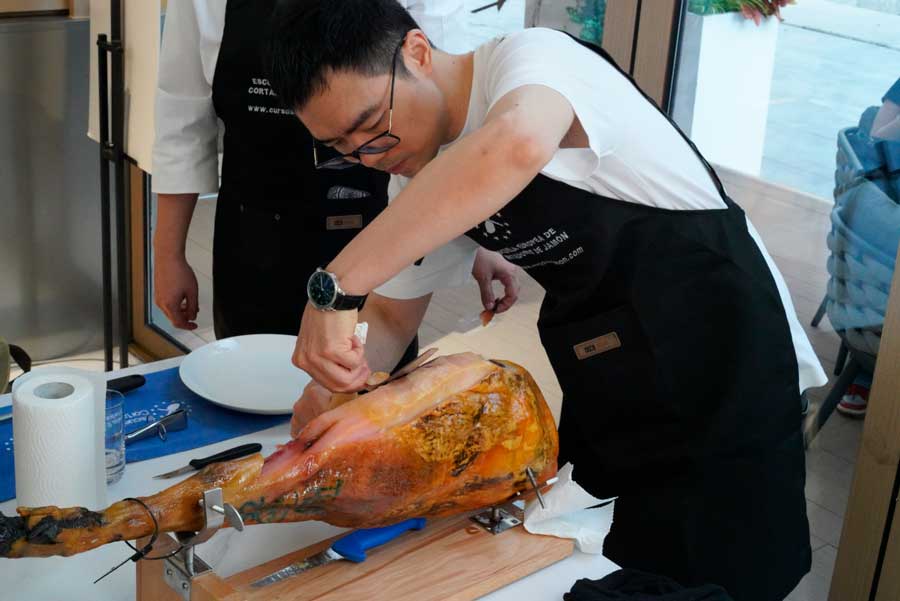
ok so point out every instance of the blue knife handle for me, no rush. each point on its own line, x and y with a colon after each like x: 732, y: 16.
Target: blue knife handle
x: 354, y: 545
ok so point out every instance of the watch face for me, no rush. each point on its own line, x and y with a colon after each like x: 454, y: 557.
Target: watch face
x: 321, y: 289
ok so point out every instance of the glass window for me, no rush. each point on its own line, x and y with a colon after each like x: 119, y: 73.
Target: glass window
x: 769, y: 98
x: 582, y: 18
x: 482, y: 20
x: 485, y: 19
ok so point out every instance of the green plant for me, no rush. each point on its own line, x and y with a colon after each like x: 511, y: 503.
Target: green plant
x: 751, y: 9
x: 589, y: 14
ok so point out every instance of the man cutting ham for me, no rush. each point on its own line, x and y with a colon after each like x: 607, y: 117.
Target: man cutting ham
x: 668, y: 326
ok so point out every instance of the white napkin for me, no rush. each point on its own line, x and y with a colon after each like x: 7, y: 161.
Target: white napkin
x: 566, y: 514
x: 361, y: 331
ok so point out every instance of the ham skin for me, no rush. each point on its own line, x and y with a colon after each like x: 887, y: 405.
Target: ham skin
x: 455, y: 435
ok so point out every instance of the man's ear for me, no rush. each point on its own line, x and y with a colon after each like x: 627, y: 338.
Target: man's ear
x: 417, y: 52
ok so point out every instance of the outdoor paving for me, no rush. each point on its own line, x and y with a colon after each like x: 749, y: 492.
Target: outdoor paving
x: 832, y: 62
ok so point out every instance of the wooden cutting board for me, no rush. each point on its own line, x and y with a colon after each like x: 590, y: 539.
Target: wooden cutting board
x: 451, y: 559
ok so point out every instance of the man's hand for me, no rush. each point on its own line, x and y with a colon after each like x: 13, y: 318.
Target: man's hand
x: 329, y: 352
x: 174, y: 282
x: 315, y: 400
x: 490, y: 266
x: 342, y: 423
x: 886, y: 125
x: 175, y: 290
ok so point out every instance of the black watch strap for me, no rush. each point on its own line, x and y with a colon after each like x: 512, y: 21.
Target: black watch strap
x: 346, y: 302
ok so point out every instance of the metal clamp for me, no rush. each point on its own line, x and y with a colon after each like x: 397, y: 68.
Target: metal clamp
x: 500, y: 518
x: 180, y: 569
x: 216, y: 511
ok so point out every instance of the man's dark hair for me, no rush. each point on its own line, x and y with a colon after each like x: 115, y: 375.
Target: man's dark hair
x: 309, y: 38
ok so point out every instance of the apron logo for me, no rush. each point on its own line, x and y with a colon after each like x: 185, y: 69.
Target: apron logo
x: 345, y: 193
x: 495, y: 228
x: 344, y: 222
x: 596, y: 346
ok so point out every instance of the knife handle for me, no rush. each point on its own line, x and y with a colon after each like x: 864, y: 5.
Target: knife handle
x: 354, y: 545
x: 126, y: 383
x: 235, y: 453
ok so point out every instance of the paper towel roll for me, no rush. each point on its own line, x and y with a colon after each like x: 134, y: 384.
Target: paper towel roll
x: 58, y: 430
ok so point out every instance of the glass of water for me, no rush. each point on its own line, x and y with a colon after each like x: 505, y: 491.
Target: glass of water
x: 115, y: 436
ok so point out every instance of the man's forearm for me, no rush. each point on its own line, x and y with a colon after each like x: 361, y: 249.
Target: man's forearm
x: 173, y: 218
x: 392, y: 326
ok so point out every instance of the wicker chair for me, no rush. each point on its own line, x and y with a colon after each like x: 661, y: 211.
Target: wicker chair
x: 863, y: 242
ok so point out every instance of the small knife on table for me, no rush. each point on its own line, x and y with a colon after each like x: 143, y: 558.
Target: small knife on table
x: 199, y: 464
x: 351, y: 547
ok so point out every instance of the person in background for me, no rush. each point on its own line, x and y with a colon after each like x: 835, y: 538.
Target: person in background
x: 887, y: 121
x: 278, y: 218
x: 886, y: 126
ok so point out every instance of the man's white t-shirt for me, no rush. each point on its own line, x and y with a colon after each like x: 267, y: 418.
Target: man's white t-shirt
x: 634, y: 154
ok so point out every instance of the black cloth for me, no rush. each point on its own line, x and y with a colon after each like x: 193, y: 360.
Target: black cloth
x: 634, y: 585
x: 680, y: 387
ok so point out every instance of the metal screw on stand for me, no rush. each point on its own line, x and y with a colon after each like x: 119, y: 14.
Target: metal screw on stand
x: 537, y: 490
x: 232, y: 515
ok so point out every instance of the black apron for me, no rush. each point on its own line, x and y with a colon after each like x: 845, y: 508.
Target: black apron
x: 277, y: 217
x: 680, y: 382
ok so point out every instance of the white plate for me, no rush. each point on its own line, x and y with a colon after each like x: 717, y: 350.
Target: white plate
x: 247, y: 373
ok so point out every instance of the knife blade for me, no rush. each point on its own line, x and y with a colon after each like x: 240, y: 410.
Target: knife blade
x: 499, y: 4
x: 351, y: 547
x: 197, y: 464
x: 403, y: 371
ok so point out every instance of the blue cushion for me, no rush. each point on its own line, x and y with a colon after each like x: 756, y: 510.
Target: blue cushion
x: 865, y: 234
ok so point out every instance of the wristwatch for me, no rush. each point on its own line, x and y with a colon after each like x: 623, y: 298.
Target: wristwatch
x: 326, y: 295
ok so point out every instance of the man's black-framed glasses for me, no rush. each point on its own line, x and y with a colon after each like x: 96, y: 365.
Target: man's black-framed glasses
x: 377, y: 145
